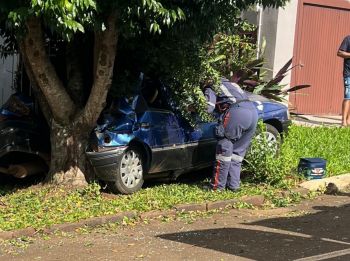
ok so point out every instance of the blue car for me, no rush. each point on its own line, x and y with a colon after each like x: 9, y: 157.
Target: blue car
x: 24, y: 138
x: 138, y: 141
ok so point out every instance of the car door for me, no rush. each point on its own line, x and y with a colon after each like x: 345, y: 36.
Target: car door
x: 166, y: 138
x: 201, y: 144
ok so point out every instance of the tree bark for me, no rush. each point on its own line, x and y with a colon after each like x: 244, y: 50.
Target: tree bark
x: 34, y: 52
x: 105, y: 51
x: 68, y: 160
x: 37, y: 92
x: 70, y: 128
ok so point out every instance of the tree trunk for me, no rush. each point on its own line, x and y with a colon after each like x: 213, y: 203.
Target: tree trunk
x: 68, y: 160
x: 34, y: 51
x: 70, y: 123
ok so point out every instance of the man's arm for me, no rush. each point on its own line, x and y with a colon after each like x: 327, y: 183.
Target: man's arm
x: 344, y: 48
x: 343, y: 54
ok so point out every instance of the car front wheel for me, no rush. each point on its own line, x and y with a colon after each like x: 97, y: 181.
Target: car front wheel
x: 272, y: 137
x: 130, y: 175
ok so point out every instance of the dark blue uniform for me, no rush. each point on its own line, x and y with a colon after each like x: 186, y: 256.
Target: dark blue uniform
x: 239, y: 122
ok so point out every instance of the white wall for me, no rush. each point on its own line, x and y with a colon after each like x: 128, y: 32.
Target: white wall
x: 278, y: 30
x: 285, y: 37
x: 268, y: 29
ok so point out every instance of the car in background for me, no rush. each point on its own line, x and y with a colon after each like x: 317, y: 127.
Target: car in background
x: 139, y: 140
x: 24, y: 138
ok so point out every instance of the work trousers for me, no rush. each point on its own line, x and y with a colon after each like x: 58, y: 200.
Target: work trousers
x: 240, y: 125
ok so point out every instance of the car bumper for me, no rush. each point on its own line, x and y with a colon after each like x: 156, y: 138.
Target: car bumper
x: 106, y: 163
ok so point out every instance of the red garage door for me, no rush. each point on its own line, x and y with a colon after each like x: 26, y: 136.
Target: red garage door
x: 321, y: 26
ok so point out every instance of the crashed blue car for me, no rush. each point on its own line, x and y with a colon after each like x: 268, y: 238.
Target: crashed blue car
x: 138, y: 141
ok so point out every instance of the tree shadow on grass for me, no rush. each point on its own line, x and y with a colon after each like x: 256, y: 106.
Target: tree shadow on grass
x: 191, y: 178
x: 283, y: 238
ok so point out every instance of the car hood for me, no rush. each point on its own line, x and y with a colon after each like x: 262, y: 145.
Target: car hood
x: 265, y: 104
x: 257, y: 97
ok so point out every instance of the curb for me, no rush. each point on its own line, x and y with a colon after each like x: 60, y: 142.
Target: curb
x: 335, y: 184
x: 256, y: 201
x: 67, y: 227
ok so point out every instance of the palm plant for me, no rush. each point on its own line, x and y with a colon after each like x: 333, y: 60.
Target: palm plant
x: 235, y: 57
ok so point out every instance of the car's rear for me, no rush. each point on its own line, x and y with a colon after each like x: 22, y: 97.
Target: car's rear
x: 24, y: 141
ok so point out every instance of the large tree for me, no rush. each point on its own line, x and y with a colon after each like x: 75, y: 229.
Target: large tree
x: 72, y: 93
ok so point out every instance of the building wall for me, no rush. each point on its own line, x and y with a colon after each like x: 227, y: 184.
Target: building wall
x: 321, y: 27
x: 277, y: 31
x: 8, y: 67
x: 269, y: 22
x: 285, y: 34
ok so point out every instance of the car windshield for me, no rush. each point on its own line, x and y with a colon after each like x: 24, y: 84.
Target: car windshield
x: 157, y: 95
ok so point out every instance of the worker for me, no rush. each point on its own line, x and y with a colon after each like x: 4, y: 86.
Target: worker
x: 236, y: 127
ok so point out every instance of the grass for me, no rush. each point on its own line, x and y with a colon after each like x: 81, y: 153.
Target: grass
x: 40, y: 207
x: 330, y: 143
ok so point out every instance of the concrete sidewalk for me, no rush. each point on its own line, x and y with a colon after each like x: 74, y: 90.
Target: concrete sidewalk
x: 332, y: 185
x: 313, y: 120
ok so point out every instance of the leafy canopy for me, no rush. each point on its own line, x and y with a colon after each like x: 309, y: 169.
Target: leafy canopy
x: 67, y: 17
x: 168, y: 35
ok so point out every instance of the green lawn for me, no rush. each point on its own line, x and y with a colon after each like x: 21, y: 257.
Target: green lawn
x: 40, y: 207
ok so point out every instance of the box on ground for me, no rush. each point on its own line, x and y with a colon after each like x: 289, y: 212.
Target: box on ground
x: 312, y: 168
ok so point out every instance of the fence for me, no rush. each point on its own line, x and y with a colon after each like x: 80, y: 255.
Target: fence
x: 8, y: 68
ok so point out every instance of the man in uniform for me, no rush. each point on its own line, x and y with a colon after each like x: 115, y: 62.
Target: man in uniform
x: 235, y: 130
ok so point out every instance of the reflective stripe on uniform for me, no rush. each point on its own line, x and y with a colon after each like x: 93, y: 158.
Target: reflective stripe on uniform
x: 226, y: 118
x: 223, y: 158
x: 217, y: 173
x: 239, y: 89
x: 211, y: 104
x: 237, y: 158
x: 227, y: 93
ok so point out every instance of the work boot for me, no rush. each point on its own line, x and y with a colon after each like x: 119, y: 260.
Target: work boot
x: 234, y: 190
x: 210, y: 188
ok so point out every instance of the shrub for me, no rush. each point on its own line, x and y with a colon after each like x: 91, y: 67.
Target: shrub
x: 261, y: 162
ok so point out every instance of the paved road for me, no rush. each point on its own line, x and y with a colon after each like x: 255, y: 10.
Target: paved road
x: 313, y: 230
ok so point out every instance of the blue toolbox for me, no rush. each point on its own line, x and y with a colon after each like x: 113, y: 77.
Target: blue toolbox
x: 312, y: 168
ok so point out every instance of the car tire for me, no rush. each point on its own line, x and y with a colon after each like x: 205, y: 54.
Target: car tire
x: 130, y: 176
x: 273, y: 137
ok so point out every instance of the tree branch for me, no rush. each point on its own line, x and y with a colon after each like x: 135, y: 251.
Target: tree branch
x: 38, y: 94
x: 46, y: 78
x: 105, y: 48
